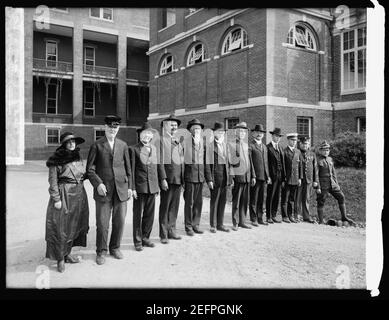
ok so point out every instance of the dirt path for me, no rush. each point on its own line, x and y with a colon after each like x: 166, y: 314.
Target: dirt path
x: 276, y: 256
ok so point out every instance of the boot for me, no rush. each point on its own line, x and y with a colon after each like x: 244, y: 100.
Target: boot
x: 320, y: 213
x: 61, y: 266
x: 343, y: 214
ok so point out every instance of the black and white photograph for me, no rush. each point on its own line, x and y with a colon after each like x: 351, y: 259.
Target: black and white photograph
x: 188, y: 148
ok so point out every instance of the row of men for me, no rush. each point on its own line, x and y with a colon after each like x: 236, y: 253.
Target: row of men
x: 258, y: 174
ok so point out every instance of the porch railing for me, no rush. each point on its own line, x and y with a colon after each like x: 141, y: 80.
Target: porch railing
x: 50, y: 65
x: 100, y: 71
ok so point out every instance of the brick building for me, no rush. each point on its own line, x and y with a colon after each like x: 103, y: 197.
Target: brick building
x: 80, y: 65
x: 289, y: 68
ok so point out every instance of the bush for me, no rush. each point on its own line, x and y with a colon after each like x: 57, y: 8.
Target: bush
x: 348, y: 149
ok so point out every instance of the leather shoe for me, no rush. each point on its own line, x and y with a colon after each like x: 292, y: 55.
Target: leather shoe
x: 235, y: 228
x: 71, y: 259
x: 292, y: 220
x: 174, y: 236
x: 164, y: 241
x: 286, y: 220
x: 309, y: 220
x: 270, y: 221
x: 198, y: 231
x: 223, y: 228
x: 117, y: 254
x: 100, y: 259
x: 244, y: 226
x: 263, y: 222
x: 190, y: 233
x: 275, y: 220
x: 148, y: 243
x: 255, y: 224
x: 213, y: 229
x: 138, y: 248
x: 61, y: 266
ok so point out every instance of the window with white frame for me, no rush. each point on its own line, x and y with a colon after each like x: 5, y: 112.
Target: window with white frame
x: 99, y: 133
x: 236, y: 39
x: 167, y: 64
x: 89, y: 58
x: 196, y: 54
x: 102, y: 13
x: 168, y: 17
x: 361, y: 124
x: 51, y: 53
x: 51, y: 98
x: 304, y: 127
x: 52, y: 136
x: 89, y: 101
x: 353, y: 60
x: 302, y: 37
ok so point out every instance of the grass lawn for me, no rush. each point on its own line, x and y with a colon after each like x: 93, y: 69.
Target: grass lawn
x: 353, y: 184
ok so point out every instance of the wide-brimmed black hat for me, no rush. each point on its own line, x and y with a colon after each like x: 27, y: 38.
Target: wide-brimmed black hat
x: 241, y: 125
x: 276, y: 131
x: 193, y: 122
x: 113, y: 120
x: 259, y: 127
x: 172, y: 118
x: 146, y: 126
x: 66, y: 136
x: 218, y: 126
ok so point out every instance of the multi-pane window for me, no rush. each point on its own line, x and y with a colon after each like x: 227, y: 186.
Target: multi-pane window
x: 51, y: 97
x: 167, y: 65
x: 304, y: 127
x: 168, y: 17
x: 99, y: 133
x: 230, y: 123
x: 196, y: 54
x: 354, y: 59
x: 236, y: 39
x: 102, y: 13
x: 361, y: 124
x: 301, y: 37
x: 89, y: 101
x: 89, y: 58
x: 51, y: 54
x: 52, y: 136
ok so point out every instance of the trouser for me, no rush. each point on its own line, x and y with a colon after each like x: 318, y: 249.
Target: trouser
x: 103, y: 215
x: 337, y: 194
x: 257, y: 201
x: 240, y: 200
x: 168, y: 210
x: 143, y: 217
x: 288, y: 199
x: 217, y: 206
x: 273, y: 198
x: 304, y: 193
x: 193, y: 195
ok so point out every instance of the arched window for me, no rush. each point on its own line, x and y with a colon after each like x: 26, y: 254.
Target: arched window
x: 302, y: 37
x: 166, y: 65
x: 236, y: 39
x: 196, y: 54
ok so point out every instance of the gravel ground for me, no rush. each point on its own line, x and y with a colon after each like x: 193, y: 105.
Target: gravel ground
x: 276, y: 256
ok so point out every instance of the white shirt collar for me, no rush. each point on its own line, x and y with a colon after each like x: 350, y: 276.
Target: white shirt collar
x: 258, y: 141
x: 274, y: 144
x: 291, y: 149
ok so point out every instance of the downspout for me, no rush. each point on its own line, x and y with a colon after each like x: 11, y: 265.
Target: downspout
x: 333, y: 118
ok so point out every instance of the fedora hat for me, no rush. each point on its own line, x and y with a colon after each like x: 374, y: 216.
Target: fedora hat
x: 112, y: 120
x: 66, y: 136
x: 241, y: 125
x: 146, y: 126
x: 277, y: 132
x: 193, y: 122
x: 218, y: 126
x: 259, y: 127
x: 171, y: 118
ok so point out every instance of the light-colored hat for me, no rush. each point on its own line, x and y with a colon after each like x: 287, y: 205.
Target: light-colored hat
x: 324, y: 145
x: 292, y: 135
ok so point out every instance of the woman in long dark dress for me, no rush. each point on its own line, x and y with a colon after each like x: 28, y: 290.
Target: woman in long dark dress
x: 67, y: 218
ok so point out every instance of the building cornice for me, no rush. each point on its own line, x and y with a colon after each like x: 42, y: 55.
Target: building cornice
x: 315, y: 13
x: 209, y: 23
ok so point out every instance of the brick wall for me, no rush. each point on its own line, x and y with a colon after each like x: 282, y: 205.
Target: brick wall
x: 64, y: 45
x: 346, y: 120
x: 195, y: 89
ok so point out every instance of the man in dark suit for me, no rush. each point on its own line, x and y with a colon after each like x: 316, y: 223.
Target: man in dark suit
x: 243, y: 175
x: 144, y: 161
x: 109, y: 171
x: 277, y: 175
x: 217, y: 169
x: 172, y: 170
x: 310, y: 179
x: 194, y: 176
x: 261, y: 168
x: 293, y: 176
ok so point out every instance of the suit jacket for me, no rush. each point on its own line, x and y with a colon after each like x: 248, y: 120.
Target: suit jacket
x: 241, y: 171
x: 113, y: 168
x: 194, y: 161
x: 172, y: 161
x: 327, y: 174
x: 260, y: 161
x: 217, y: 167
x: 293, y: 166
x: 145, y: 167
x: 274, y: 158
x: 309, y: 167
